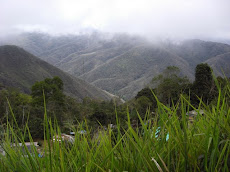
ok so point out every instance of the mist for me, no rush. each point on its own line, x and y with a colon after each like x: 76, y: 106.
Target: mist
x: 174, y: 19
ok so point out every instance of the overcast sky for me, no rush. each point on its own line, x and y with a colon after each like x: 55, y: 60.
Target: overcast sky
x: 167, y: 18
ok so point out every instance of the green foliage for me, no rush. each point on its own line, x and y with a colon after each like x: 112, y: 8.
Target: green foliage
x: 198, y: 145
x: 203, y: 83
x: 53, y: 91
x: 54, y: 96
x: 142, y: 105
x: 144, y: 100
x: 170, y: 85
x: 206, y: 86
x: 19, y: 102
x: 66, y: 110
x: 147, y: 92
x: 203, y: 77
x: 99, y: 112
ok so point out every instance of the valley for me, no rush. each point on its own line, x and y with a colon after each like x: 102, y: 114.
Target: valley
x: 122, y: 64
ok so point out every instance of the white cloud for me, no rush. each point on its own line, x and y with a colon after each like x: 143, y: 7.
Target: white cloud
x: 173, y: 18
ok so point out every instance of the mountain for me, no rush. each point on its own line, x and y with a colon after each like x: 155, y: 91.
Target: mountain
x: 121, y: 64
x: 198, y: 51
x: 132, y: 70
x: 220, y: 64
x: 21, y: 69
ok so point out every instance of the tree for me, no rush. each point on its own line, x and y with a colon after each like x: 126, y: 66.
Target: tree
x: 169, y: 85
x: 142, y: 105
x: 19, y: 103
x: 53, y: 91
x: 203, y: 85
x: 148, y: 93
x: 53, y: 94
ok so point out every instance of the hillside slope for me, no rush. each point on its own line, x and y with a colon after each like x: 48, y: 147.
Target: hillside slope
x: 21, y: 69
x: 120, y: 63
x: 197, y: 51
x: 129, y: 72
x: 220, y: 64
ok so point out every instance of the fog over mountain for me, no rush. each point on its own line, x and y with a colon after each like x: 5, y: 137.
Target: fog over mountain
x: 120, y: 45
x: 174, y: 19
x: 122, y: 64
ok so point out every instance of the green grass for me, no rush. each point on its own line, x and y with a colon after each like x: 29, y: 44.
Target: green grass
x: 203, y: 145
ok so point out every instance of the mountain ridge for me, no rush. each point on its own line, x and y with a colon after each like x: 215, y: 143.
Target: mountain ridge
x: 220, y: 64
x: 21, y: 69
x: 122, y: 64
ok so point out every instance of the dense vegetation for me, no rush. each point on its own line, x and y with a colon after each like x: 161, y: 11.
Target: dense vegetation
x: 155, y: 132
x: 168, y: 87
x: 66, y: 110
x: 168, y: 141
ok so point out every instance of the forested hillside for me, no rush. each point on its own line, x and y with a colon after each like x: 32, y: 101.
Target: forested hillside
x: 119, y: 63
x: 20, y: 69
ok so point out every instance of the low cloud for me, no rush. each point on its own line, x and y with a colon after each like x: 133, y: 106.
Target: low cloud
x: 165, y: 18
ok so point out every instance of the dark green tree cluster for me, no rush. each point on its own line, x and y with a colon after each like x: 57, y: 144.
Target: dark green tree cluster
x: 66, y: 110
x: 203, y: 87
x: 101, y: 112
x: 169, y: 85
x: 144, y: 101
x: 19, y: 104
x: 52, y: 89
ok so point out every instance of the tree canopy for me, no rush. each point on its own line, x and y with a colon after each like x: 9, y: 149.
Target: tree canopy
x: 53, y: 91
x: 203, y: 86
x: 170, y: 85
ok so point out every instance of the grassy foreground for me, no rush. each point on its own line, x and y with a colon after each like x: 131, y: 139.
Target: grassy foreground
x: 203, y: 145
